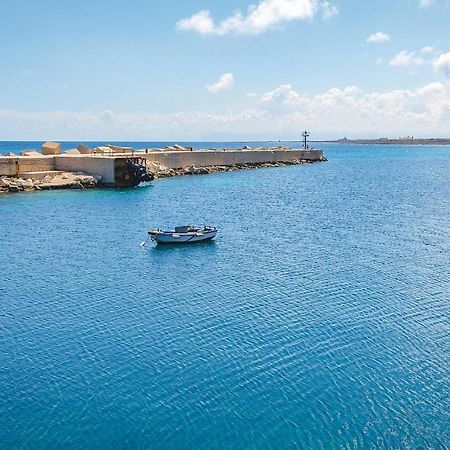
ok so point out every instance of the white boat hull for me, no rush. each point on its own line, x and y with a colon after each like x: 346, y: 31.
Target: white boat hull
x: 182, y: 238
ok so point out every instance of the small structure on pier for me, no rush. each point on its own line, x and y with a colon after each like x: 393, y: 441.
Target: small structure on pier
x: 305, y: 135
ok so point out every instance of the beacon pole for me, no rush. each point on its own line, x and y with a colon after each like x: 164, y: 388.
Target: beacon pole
x: 305, y: 135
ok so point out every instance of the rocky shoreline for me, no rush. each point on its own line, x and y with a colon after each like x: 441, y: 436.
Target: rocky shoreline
x: 60, y: 181
x: 161, y: 171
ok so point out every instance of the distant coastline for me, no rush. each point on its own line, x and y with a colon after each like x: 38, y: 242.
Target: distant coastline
x: 388, y: 141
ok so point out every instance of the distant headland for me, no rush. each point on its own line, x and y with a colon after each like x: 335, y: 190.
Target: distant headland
x: 408, y: 140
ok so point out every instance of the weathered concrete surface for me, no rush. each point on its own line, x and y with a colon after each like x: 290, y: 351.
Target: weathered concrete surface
x: 13, y: 165
x: 102, y: 166
x: 200, y: 158
x: 39, y: 175
x: 51, y: 148
x: 84, y: 149
x: 30, y: 153
x: 121, y: 150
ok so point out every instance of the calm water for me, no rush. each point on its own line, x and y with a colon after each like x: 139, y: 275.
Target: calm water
x: 318, y: 319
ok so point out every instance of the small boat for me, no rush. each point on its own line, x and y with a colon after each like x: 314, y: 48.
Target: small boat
x: 183, y: 235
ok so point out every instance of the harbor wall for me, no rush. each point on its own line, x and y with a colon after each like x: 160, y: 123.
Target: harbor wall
x: 180, y: 159
x: 13, y: 166
x: 107, y: 167
x: 98, y: 166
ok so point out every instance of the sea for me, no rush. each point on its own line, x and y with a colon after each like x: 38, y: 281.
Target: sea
x: 319, y: 318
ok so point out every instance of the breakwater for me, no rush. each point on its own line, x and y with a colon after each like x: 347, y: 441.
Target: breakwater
x: 114, y: 166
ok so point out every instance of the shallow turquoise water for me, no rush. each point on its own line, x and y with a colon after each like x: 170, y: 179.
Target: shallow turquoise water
x: 319, y: 318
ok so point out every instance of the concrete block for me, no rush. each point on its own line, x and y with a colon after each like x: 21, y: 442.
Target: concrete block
x: 119, y: 149
x: 103, y: 150
x: 30, y: 153
x: 83, y: 149
x: 72, y: 151
x: 51, y: 148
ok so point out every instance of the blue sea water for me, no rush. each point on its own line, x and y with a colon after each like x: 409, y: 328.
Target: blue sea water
x: 318, y: 319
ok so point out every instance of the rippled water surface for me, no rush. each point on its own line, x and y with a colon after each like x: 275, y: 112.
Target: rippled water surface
x: 319, y: 318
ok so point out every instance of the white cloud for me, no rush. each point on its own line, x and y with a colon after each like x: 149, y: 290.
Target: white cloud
x: 328, y: 10
x: 200, y: 22
x: 276, y: 114
x: 426, y: 56
x: 108, y: 126
x: 261, y: 17
x: 442, y: 64
x: 425, y: 3
x: 224, y: 83
x: 424, y: 110
x: 427, y: 49
x: 379, y: 37
x: 405, y: 58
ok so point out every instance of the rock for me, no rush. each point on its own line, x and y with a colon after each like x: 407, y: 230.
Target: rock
x: 85, y: 181
x: 15, y: 188
x: 47, y: 179
x: 163, y: 168
x: 28, y: 184
x: 246, y: 147
x: 10, y: 154
x: 51, y: 148
x: 179, y: 148
x: 72, y: 151
x: 193, y: 170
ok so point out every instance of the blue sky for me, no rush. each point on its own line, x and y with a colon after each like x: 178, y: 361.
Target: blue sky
x: 208, y: 69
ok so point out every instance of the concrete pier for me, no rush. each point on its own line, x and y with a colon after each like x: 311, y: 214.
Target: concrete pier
x: 112, y: 167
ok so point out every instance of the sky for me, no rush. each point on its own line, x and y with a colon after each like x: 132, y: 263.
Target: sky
x: 223, y: 70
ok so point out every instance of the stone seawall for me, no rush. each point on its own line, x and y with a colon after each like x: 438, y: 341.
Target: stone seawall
x: 112, y: 170
x: 100, y: 166
x: 203, y: 158
x: 13, y: 166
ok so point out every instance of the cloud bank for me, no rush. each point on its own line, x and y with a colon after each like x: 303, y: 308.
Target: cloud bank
x: 276, y: 114
x: 265, y: 15
x: 442, y: 64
